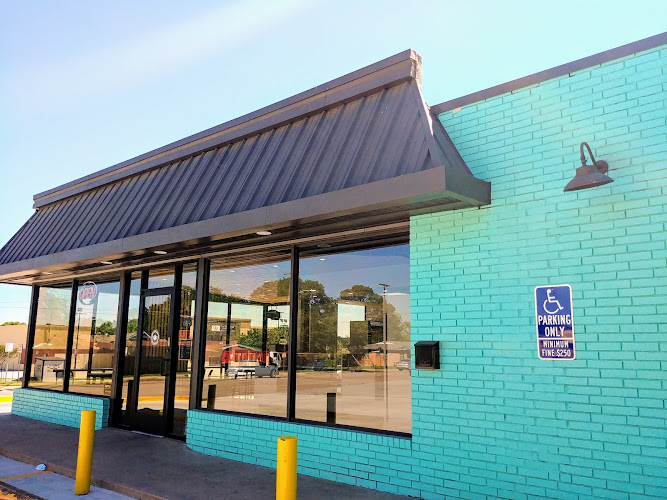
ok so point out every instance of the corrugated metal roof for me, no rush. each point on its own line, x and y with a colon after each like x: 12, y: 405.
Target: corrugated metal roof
x: 381, y: 133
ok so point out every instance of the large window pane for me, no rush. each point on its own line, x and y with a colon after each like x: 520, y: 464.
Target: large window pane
x: 247, y: 338
x: 48, y: 355
x: 94, y: 339
x: 353, y: 340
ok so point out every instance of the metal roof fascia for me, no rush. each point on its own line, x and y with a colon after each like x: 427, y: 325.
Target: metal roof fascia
x: 419, y: 186
x: 388, y: 72
x: 549, y: 74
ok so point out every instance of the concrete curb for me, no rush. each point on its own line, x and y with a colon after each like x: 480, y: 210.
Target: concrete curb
x: 18, y: 492
x: 64, y: 471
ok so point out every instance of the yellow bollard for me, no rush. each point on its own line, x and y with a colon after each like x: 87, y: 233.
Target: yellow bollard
x: 286, y: 468
x: 84, y: 461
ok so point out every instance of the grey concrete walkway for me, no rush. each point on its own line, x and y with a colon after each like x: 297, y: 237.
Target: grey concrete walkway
x: 147, y: 467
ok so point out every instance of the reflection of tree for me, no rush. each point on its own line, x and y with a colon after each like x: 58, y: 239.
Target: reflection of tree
x: 318, y: 317
x: 107, y: 328
x: 272, y: 292
x: 318, y: 328
x: 397, y: 328
x: 5, y: 355
x: 253, y: 337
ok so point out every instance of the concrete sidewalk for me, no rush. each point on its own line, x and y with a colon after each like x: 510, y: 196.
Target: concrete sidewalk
x: 151, y: 468
x: 23, y: 478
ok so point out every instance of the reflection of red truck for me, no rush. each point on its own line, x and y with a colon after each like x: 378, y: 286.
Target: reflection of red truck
x: 239, y: 353
x: 251, y: 361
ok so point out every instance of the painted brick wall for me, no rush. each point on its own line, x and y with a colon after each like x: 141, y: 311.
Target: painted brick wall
x: 335, y: 454
x: 507, y: 424
x: 59, y: 408
x: 495, y: 421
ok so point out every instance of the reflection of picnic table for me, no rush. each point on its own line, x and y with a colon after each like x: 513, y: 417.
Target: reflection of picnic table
x: 93, y: 374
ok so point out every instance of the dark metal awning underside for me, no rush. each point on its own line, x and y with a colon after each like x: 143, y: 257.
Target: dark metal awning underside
x: 360, y: 149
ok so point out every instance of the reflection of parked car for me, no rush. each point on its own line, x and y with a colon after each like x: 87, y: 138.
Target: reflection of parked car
x: 318, y: 364
x: 253, y: 370
x: 403, y: 364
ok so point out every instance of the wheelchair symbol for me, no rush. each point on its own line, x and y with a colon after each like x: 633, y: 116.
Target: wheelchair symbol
x: 551, y: 300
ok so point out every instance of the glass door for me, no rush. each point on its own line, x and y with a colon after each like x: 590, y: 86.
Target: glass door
x: 151, y: 398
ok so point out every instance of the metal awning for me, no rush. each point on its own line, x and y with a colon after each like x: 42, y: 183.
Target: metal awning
x: 359, y: 149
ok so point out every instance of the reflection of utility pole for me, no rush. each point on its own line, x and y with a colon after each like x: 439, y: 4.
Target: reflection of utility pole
x: 310, y: 316
x: 228, y: 334
x: 265, y: 333
x: 78, y: 325
x: 384, y: 342
x: 92, y: 339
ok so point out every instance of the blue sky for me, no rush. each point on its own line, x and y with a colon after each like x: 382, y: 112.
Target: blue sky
x: 85, y: 85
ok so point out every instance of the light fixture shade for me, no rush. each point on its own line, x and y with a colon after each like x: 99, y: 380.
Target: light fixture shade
x: 589, y: 176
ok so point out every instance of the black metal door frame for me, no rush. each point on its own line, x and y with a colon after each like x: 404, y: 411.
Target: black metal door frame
x: 146, y: 423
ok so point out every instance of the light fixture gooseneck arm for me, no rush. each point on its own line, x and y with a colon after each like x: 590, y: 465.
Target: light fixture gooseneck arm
x: 590, y: 153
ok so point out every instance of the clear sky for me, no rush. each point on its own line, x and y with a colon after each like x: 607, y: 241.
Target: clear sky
x: 86, y: 85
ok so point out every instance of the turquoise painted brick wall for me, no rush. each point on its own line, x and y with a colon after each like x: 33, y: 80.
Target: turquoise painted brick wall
x: 58, y: 407
x: 495, y: 421
x: 335, y: 454
x: 509, y: 424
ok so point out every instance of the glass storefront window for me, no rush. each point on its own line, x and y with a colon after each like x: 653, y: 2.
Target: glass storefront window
x: 353, y: 339
x: 245, y: 365
x: 92, y: 361
x: 50, y: 345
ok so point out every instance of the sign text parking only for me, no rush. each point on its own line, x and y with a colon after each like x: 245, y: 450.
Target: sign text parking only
x: 555, y: 325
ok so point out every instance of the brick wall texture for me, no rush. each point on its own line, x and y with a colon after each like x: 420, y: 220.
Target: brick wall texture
x: 495, y: 421
x: 58, y: 407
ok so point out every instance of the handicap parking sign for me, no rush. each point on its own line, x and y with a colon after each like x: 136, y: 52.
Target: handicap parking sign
x: 554, y: 321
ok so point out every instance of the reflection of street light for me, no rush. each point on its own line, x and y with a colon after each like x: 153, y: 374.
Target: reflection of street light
x: 384, y: 342
x: 310, y: 316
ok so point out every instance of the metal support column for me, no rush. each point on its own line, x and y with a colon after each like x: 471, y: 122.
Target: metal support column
x: 119, y: 348
x: 30, y: 341
x: 293, y: 328
x: 199, y: 333
x: 70, y: 334
x: 174, y: 347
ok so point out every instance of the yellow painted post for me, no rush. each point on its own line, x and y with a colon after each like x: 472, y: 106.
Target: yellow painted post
x: 286, y: 468
x: 84, y: 461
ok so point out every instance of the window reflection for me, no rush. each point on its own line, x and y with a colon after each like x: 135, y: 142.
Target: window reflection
x: 353, y: 340
x: 161, y: 277
x: 48, y: 355
x: 94, y: 339
x: 247, y: 338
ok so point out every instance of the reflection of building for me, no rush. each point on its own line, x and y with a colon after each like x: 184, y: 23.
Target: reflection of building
x: 217, y: 327
x: 362, y: 165
x: 13, y: 337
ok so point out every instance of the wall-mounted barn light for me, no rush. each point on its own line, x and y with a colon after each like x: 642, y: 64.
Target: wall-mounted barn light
x: 588, y: 176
